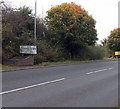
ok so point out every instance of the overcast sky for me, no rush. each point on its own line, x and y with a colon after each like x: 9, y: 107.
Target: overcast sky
x: 105, y: 12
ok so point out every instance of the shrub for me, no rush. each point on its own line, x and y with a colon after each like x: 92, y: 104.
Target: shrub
x: 45, y: 52
x: 39, y: 59
x: 95, y: 52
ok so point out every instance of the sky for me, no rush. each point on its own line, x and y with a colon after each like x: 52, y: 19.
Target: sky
x: 105, y: 12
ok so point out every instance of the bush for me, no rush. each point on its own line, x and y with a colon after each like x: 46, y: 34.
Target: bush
x: 51, y: 55
x: 45, y: 53
x: 39, y: 59
x: 95, y: 52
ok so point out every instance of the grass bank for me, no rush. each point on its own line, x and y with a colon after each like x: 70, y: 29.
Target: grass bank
x: 6, y: 67
x: 73, y: 62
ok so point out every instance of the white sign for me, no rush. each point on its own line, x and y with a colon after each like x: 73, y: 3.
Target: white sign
x: 28, y: 49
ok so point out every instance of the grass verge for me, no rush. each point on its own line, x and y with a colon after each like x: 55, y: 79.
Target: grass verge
x: 72, y: 62
x: 7, y: 67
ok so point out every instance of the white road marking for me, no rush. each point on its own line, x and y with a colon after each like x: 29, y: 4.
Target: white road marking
x: 99, y: 71
x: 28, y: 87
x: 89, y: 73
x: 110, y: 68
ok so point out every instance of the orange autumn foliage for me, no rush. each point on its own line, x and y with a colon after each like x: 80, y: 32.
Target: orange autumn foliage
x: 71, y: 6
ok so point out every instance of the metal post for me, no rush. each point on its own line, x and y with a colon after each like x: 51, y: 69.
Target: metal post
x: 35, y: 30
x: 35, y: 23
x: 1, y: 52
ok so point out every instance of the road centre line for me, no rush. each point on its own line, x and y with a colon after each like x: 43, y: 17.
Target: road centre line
x: 110, y: 68
x: 99, y: 71
x: 89, y: 73
x: 32, y: 86
x: 45, y: 83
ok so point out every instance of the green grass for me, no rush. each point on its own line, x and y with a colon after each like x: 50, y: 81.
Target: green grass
x: 6, y: 67
x: 118, y: 107
x: 58, y: 63
x: 72, y: 62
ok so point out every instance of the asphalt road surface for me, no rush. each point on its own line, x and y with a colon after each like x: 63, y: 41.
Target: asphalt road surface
x: 92, y: 84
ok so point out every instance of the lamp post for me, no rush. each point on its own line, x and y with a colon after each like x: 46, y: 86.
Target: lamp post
x: 35, y: 31
x: 1, y: 2
x: 35, y: 23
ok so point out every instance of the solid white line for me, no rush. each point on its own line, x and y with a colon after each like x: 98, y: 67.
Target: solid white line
x: 28, y: 87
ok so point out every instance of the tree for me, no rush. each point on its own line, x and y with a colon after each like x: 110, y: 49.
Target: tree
x: 12, y: 23
x: 18, y: 29
x: 104, y: 42
x: 114, y: 40
x: 26, y: 12
x: 71, y: 27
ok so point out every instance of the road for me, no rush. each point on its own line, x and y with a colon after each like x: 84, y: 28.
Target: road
x: 93, y: 84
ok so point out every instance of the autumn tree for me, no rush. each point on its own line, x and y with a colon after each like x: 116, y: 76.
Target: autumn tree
x: 71, y: 27
x: 114, y: 40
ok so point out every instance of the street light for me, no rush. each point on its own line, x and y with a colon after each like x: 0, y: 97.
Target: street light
x: 35, y: 23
